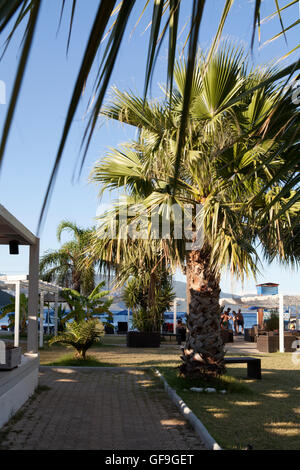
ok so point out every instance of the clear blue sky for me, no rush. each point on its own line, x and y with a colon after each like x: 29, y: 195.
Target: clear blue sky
x: 42, y: 108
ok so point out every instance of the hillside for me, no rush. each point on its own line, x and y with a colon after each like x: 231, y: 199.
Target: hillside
x: 179, y: 288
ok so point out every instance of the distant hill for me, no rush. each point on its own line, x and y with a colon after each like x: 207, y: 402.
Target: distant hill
x: 179, y: 288
x: 5, y: 298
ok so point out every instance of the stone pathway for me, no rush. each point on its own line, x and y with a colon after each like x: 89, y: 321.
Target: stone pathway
x: 240, y: 346
x: 106, y: 409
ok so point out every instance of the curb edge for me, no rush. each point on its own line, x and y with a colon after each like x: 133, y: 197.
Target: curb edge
x: 198, y: 426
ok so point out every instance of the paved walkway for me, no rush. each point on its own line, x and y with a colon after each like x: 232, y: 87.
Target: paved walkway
x: 240, y: 346
x: 107, y: 409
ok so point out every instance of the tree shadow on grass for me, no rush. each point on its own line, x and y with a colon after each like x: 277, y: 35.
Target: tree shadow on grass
x: 267, y: 419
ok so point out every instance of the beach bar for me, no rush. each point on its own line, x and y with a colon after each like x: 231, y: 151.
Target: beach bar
x: 278, y: 301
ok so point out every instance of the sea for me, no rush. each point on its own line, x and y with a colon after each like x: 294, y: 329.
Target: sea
x: 250, y: 319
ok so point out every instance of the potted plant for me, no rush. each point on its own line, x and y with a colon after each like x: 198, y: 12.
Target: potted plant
x: 12, y: 357
x: 148, y: 304
x: 109, y: 324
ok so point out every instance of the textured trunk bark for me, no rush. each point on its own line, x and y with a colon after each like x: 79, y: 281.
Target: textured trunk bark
x: 203, y: 353
x: 76, y: 282
x: 151, y: 302
x: 151, y: 291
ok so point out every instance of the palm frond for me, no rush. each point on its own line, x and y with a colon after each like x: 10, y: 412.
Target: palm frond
x: 29, y: 35
x: 17, y: 11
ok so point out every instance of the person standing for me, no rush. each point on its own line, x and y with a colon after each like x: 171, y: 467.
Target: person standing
x: 240, y: 322
x: 235, y: 322
x: 180, y: 331
x: 225, y: 317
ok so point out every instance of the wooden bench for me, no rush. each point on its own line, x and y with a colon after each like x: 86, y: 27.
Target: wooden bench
x: 173, y: 335
x: 253, y: 365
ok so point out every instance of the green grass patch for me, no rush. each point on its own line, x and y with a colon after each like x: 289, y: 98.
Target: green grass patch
x: 6, y: 336
x: 108, y: 340
x: 70, y: 360
x: 263, y: 413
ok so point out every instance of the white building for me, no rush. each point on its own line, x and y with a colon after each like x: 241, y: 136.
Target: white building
x: 17, y: 385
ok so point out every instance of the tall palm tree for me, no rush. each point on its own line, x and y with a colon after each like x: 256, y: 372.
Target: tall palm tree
x: 227, y: 168
x: 110, y: 20
x: 67, y: 266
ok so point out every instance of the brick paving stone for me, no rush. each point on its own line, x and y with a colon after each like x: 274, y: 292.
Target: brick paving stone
x: 103, y: 409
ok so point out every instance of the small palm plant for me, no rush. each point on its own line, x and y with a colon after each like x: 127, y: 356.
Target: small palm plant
x: 81, y: 336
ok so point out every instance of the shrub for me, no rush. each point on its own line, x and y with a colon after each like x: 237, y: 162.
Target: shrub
x: 272, y: 323
x: 80, y: 335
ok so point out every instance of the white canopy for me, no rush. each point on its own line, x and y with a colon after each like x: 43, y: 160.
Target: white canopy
x: 268, y: 301
x: 15, y: 284
x: 9, y: 283
x: 12, y: 230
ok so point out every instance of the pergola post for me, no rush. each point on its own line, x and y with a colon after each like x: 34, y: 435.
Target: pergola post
x: 17, y: 314
x: 177, y: 299
x: 297, y: 317
x: 48, y: 325
x: 33, y: 298
x: 281, y: 324
x: 55, y: 311
x: 175, y: 316
x: 41, y: 319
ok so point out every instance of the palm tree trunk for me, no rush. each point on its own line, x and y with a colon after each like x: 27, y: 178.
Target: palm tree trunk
x: 151, y: 301
x: 76, y: 282
x: 203, y: 353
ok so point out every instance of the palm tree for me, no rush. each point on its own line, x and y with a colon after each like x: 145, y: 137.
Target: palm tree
x: 83, y: 307
x: 148, y: 305
x: 10, y: 309
x: 80, y: 335
x: 111, y: 19
x: 67, y: 266
x: 227, y: 168
x: 139, y: 265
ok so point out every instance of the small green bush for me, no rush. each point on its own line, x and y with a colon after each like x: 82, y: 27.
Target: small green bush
x: 80, y: 335
x: 272, y: 323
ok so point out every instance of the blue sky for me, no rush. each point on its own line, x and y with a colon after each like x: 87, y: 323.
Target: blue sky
x: 42, y: 108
